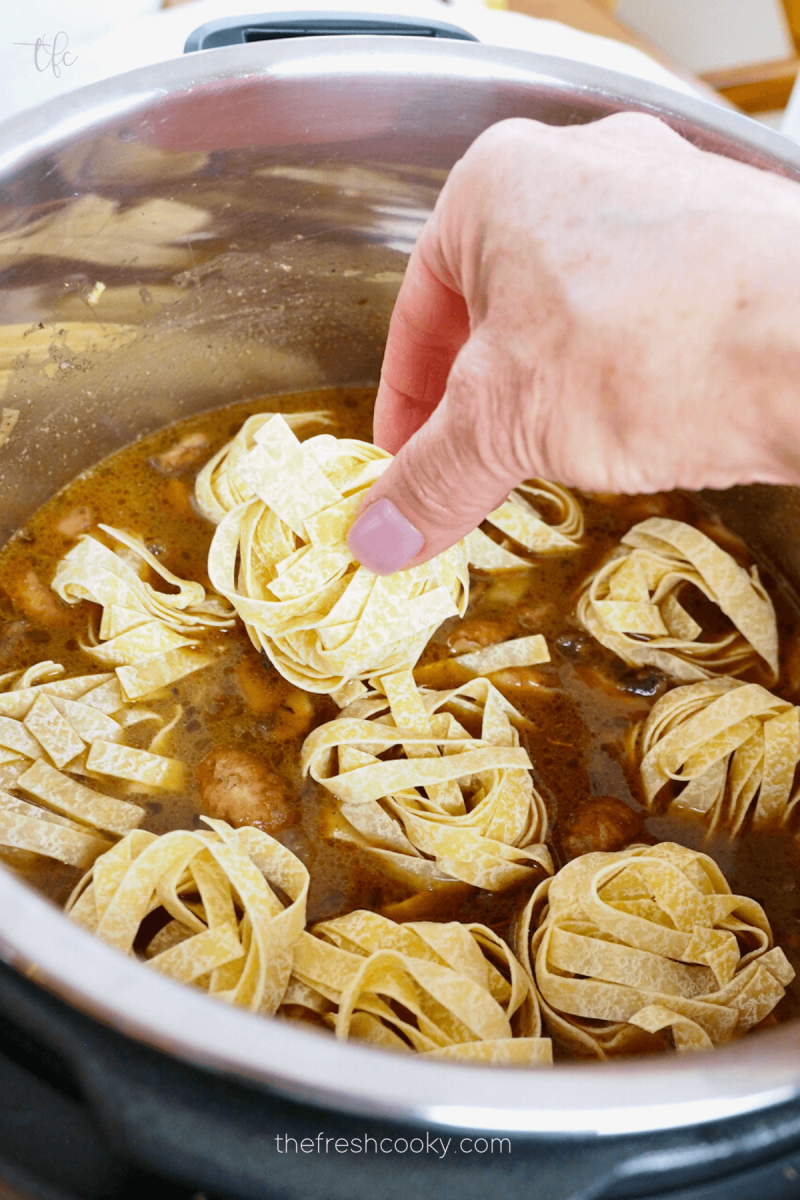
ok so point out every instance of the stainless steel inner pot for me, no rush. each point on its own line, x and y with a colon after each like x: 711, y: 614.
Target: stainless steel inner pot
x: 249, y: 211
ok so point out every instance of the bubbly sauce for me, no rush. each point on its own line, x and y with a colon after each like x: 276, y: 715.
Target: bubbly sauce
x: 582, y: 707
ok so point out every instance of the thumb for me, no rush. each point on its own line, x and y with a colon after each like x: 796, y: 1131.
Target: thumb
x: 455, y: 470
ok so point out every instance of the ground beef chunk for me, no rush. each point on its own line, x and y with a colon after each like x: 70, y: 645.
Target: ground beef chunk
x: 36, y: 600
x: 240, y: 788
x: 475, y: 633
x: 603, y: 823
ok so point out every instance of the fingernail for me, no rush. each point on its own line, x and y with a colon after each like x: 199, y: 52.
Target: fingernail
x: 383, y: 540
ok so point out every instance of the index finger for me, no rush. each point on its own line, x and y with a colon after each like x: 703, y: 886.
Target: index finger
x: 429, y: 326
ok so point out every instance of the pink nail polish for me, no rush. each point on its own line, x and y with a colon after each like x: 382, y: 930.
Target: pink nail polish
x: 383, y: 540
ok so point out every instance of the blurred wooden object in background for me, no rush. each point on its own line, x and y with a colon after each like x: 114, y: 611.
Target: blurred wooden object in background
x: 596, y: 16
x: 592, y: 16
x: 762, y: 86
x: 758, y: 87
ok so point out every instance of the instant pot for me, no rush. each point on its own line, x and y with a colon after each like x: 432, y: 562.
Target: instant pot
x: 235, y: 224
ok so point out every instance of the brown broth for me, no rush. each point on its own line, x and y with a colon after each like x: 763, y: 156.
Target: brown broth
x: 581, y: 707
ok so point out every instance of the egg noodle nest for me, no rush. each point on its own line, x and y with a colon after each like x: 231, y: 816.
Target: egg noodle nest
x: 631, y: 604
x: 280, y: 555
x: 522, y: 522
x: 650, y: 939
x: 444, y: 989
x: 58, y: 735
x: 227, y: 931
x: 733, y: 745
x: 616, y: 953
x: 453, y: 806
x: 282, y: 560
x: 142, y: 631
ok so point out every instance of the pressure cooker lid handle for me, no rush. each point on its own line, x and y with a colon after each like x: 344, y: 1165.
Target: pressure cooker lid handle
x: 237, y: 31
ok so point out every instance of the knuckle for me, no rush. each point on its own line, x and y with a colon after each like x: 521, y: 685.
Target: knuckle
x: 639, y: 127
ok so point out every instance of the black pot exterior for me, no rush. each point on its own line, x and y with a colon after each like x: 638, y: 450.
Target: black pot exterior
x: 102, y: 1117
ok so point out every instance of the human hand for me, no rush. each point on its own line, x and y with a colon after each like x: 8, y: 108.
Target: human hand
x: 601, y: 305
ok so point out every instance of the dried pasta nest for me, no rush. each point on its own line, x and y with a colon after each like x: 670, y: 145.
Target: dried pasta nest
x: 58, y: 736
x: 282, y: 560
x: 632, y: 945
x: 445, y: 805
x: 521, y: 521
x: 631, y: 604
x: 733, y: 745
x: 226, y: 928
x: 219, y: 486
x: 445, y: 990
x: 143, y: 631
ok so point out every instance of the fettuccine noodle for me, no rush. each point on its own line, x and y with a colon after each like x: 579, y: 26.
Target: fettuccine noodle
x: 236, y: 942
x: 446, y: 990
x: 282, y: 560
x: 53, y: 729
x: 453, y: 806
x: 631, y: 604
x: 628, y: 945
x: 521, y: 521
x: 143, y: 632
x: 734, y: 745
x: 219, y: 486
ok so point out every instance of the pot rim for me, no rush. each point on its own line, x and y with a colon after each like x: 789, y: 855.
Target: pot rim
x: 603, y: 1100
x: 45, y: 126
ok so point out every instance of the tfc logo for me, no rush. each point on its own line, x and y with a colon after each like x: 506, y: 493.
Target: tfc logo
x: 52, y: 56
